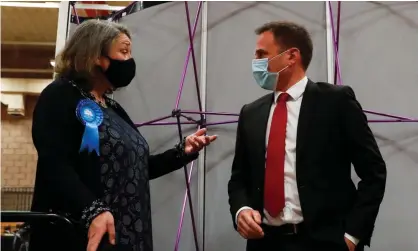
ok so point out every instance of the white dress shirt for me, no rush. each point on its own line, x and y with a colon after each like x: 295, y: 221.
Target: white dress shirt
x: 292, y: 212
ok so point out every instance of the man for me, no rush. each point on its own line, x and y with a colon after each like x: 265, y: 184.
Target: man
x: 291, y: 187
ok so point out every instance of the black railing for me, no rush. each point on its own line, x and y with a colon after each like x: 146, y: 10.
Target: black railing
x: 18, y: 240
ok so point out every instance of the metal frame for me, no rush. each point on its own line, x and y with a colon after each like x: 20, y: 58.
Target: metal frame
x: 64, y: 15
x: 330, y: 44
x: 201, y: 174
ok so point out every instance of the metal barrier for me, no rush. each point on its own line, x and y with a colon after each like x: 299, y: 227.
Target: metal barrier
x: 19, y: 239
x: 16, y: 198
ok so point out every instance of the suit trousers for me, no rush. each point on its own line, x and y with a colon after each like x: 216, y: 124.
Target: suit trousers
x: 301, y: 241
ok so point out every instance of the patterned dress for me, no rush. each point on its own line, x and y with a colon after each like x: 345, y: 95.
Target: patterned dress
x: 124, y: 175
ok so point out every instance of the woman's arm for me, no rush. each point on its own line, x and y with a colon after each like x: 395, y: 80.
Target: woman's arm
x: 56, y: 136
x: 166, y: 162
x: 169, y: 161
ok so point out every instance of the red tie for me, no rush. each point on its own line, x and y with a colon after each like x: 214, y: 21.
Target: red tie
x: 274, y: 177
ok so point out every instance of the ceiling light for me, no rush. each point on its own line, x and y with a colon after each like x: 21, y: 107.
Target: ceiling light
x: 29, y: 4
x: 56, y: 5
x: 52, y: 62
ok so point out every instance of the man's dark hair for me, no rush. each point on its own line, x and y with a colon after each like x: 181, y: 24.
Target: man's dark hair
x: 288, y: 35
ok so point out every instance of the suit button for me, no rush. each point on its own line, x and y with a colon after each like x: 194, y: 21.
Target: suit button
x: 258, y: 189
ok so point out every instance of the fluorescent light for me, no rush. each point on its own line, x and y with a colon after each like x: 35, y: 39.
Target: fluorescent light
x: 55, y: 5
x: 98, y: 7
x: 52, y: 62
x: 30, y: 5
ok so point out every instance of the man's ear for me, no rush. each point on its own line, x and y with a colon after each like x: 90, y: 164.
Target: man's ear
x: 294, y: 55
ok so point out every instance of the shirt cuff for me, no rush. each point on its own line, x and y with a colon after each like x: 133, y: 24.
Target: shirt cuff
x: 354, y: 240
x: 236, y: 215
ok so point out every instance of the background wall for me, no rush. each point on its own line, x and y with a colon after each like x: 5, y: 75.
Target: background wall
x: 18, y: 155
x: 378, y: 56
x: 18, y: 158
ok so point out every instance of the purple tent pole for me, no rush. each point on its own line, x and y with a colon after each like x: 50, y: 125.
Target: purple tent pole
x: 75, y: 12
x: 387, y: 115
x: 392, y: 121
x: 337, y: 43
x: 167, y: 123
x: 211, y: 113
x: 183, y: 77
x: 222, y: 123
x: 188, y: 194
x: 191, y: 50
x: 199, y: 101
x: 183, y: 209
x: 152, y: 121
x: 337, y: 59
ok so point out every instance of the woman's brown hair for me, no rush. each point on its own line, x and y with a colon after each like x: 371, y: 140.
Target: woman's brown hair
x: 90, y: 40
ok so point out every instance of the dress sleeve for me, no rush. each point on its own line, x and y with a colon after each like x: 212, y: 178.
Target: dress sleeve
x: 56, y: 136
x: 166, y: 162
x: 170, y: 160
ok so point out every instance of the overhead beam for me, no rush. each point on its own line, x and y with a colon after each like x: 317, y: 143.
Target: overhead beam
x: 27, y: 75
x: 23, y: 86
x: 27, y: 70
x: 28, y: 43
x: 26, y: 56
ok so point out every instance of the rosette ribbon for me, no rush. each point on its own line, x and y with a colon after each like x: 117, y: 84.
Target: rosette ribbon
x: 90, y: 114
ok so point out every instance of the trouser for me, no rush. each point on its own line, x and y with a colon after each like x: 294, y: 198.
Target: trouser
x: 284, y: 238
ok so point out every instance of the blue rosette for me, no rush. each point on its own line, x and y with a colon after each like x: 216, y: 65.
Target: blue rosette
x: 90, y: 114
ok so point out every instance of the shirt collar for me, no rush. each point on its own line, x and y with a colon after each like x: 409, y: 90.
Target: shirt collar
x: 296, y: 91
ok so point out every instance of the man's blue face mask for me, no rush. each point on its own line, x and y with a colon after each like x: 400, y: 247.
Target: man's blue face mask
x: 265, y: 79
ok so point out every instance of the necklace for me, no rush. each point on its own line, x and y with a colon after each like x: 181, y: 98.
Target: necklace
x: 106, y: 100
x: 98, y: 101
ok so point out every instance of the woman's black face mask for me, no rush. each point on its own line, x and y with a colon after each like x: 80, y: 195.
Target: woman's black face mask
x: 120, y: 72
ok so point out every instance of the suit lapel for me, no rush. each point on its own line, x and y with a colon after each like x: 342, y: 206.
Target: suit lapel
x: 305, y: 117
x: 261, y: 120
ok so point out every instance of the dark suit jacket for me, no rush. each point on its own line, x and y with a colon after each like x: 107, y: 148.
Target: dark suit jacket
x: 68, y: 181
x: 332, y: 134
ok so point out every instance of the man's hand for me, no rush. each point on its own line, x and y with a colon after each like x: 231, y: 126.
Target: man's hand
x: 351, y: 246
x: 249, y: 224
x: 103, y: 223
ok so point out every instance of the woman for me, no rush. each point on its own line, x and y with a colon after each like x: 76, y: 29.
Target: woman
x: 93, y: 165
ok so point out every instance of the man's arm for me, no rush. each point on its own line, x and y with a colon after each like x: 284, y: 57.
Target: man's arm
x: 237, y: 187
x: 368, y: 164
